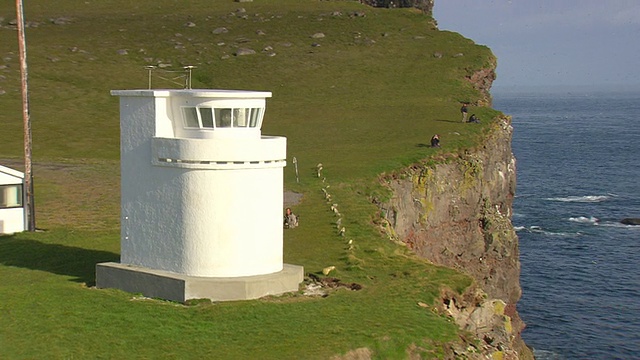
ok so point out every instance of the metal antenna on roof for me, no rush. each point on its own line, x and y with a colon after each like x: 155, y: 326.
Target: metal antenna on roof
x: 174, y: 77
x: 150, y: 69
x: 188, y: 68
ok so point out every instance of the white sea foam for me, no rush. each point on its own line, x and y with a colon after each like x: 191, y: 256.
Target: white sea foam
x: 539, y: 230
x: 560, y: 234
x: 546, y: 355
x: 617, y: 224
x: 582, y: 199
x: 584, y: 220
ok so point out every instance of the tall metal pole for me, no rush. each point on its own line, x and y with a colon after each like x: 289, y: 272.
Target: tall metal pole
x: 28, y: 175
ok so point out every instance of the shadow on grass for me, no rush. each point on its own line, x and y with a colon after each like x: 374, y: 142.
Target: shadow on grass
x: 451, y: 121
x: 58, y: 259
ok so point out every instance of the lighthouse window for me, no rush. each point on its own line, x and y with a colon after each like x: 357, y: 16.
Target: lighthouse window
x: 223, y: 117
x: 190, y: 117
x: 207, y: 117
x: 10, y: 196
x: 240, y: 117
x: 254, y: 118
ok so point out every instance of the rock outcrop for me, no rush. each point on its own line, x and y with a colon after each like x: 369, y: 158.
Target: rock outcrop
x: 482, y: 80
x: 425, y: 5
x: 456, y: 211
x: 630, y: 221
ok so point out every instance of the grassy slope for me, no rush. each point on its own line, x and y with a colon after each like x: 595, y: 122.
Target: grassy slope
x: 362, y: 103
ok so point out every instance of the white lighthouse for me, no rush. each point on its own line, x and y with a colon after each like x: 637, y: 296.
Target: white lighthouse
x: 201, y: 198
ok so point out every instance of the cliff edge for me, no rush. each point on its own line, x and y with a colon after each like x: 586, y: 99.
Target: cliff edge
x: 456, y: 211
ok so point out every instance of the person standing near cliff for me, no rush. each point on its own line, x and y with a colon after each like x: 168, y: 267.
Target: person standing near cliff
x: 464, y: 111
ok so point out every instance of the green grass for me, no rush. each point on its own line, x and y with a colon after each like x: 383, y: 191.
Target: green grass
x: 364, y: 102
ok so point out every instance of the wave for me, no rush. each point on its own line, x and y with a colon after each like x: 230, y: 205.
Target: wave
x: 534, y: 229
x: 585, y: 220
x: 618, y: 224
x: 583, y: 199
x: 547, y: 355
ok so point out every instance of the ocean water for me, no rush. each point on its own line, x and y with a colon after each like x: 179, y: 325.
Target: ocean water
x: 578, y: 162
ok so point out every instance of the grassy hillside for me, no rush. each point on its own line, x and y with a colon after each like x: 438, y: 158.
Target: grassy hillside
x: 363, y: 100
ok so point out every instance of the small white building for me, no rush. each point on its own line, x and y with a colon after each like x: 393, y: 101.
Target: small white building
x: 13, y: 216
x: 201, y: 197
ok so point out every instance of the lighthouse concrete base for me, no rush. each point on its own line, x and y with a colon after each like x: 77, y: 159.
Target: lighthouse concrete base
x: 176, y: 287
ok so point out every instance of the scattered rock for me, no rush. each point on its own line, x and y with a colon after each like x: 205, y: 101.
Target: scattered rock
x: 190, y: 24
x: 243, y: 1
x: 220, y: 30
x: 315, y: 45
x: 241, y: 11
x: 357, y: 14
x: 60, y: 21
x: 2, y: 92
x: 260, y: 32
x: 267, y: 49
x: 336, y: 13
x: 329, y: 282
x: 244, y: 51
x: 123, y: 52
x: 53, y: 58
x: 313, y: 290
x: 458, y: 55
x: 163, y: 65
x: 317, y: 35
x: 437, y: 55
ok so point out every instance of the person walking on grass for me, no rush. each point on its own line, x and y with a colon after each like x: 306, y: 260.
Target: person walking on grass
x: 464, y: 111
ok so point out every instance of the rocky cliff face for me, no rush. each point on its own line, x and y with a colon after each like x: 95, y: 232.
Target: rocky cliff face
x: 482, y: 80
x: 456, y: 211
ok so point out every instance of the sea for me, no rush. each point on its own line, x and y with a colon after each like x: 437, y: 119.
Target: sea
x: 578, y: 175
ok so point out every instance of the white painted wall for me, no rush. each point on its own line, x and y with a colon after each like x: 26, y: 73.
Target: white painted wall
x: 12, y: 220
x: 200, y: 206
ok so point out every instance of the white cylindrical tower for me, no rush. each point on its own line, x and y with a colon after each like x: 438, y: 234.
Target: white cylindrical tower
x: 202, y: 189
